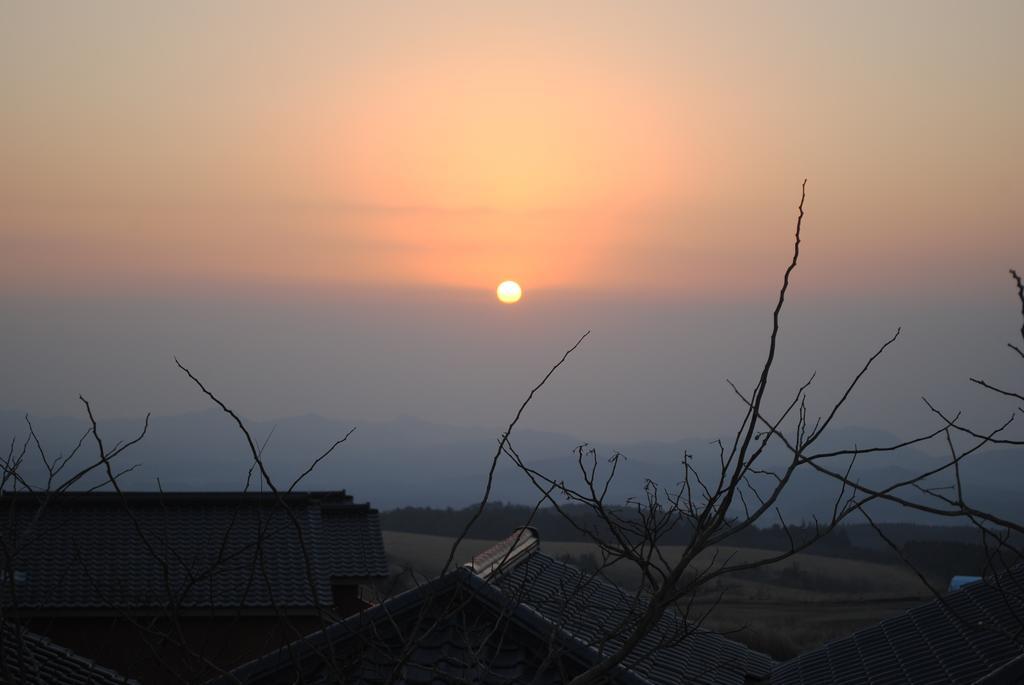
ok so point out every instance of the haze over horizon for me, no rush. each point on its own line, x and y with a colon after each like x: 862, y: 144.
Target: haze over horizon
x: 312, y: 209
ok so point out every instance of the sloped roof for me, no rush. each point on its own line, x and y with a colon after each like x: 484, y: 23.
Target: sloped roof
x: 31, y: 659
x: 189, y: 550
x: 589, y: 608
x: 461, y: 629
x: 503, y: 618
x: 969, y: 635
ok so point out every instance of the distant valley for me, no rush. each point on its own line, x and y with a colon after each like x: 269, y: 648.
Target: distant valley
x: 408, y: 462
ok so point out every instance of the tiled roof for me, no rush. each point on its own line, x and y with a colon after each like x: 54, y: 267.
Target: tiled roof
x: 461, y: 629
x: 187, y: 550
x: 589, y: 607
x: 969, y: 635
x: 509, y: 625
x: 30, y: 659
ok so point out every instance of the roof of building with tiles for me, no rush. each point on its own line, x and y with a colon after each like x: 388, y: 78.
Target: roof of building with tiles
x: 511, y: 615
x: 969, y: 635
x: 26, y: 657
x: 88, y: 551
x: 457, y: 628
x: 602, y: 614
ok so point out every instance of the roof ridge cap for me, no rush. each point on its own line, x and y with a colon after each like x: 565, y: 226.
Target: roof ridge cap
x: 506, y: 554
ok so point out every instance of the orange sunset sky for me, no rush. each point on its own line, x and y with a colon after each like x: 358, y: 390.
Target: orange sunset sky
x: 620, y: 153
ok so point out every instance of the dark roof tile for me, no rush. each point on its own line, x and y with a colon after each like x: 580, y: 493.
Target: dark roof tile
x: 457, y: 628
x: 190, y: 550
x: 539, y: 621
x: 967, y: 635
x: 30, y: 659
x: 588, y: 606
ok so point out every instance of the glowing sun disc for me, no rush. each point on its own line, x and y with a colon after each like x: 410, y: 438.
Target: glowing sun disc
x: 509, y: 292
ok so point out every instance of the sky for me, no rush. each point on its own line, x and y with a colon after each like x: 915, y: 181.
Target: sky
x: 312, y: 206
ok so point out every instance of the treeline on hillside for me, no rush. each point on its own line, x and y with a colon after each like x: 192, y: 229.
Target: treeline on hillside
x: 499, y: 520
x: 939, y: 551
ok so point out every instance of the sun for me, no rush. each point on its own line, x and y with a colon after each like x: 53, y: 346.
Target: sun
x: 509, y: 292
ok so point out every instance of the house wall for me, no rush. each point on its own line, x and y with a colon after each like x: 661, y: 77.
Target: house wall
x: 347, y: 600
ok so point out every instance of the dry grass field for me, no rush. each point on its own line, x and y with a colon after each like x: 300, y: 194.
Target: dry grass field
x: 798, y: 604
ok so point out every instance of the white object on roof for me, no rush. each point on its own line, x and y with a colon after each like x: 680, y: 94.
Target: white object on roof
x: 505, y: 554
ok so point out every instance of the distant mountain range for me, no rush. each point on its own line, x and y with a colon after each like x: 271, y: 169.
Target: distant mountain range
x: 408, y: 462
